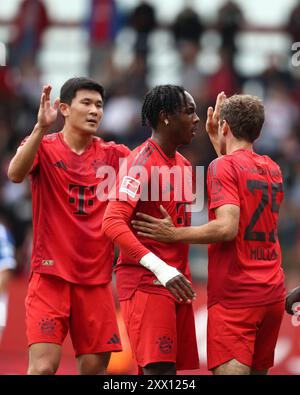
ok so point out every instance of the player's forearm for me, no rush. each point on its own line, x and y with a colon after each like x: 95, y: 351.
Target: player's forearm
x: 124, y: 239
x: 115, y: 226
x: 22, y: 162
x: 213, y: 232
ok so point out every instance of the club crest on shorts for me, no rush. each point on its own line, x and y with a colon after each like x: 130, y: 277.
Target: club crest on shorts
x: 47, y: 325
x: 165, y: 344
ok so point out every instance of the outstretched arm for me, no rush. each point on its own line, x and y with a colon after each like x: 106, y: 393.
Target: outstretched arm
x: 22, y: 162
x: 223, y: 228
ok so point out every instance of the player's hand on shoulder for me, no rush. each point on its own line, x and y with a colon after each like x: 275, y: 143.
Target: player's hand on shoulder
x: 180, y: 287
x: 292, y: 297
x: 47, y: 113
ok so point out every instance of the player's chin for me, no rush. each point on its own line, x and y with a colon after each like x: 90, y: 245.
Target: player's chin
x: 188, y: 140
x: 90, y: 129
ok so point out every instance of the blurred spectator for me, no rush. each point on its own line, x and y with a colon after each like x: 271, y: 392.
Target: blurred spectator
x: 122, y: 114
x: 8, y: 94
x: 136, y: 74
x: 143, y: 21
x: 104, y: 22
x: 225, y: 78
x: 28, y: 84
x: 190, y: 75
x: 281, y: 115
x: 187, y: 27
x: 7, y: 265
x: 230, y: 20
x: 293, y: 25
x: 28, y: 27
x: 276, y: 72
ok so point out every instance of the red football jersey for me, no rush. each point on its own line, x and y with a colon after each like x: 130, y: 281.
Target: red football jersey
x: 67, y: 213
x: 246, y: 271
x: 145, y: 190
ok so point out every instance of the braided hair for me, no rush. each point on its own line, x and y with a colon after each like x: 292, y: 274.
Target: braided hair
x: 168, y: 98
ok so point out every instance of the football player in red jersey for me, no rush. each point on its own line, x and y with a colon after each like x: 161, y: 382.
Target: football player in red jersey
x: 72, y: 259
x: 153, y: 278
x: 245, y: 278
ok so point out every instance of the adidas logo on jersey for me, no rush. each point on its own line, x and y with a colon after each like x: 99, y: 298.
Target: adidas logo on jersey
x: 114, y: 340
x: 61, y: 165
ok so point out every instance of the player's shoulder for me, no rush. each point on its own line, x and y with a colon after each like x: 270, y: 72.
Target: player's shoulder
x: 50, y: 138
x: 271, y: 162
x: 47, y: 139
x: 221, y: 166
x: 182, y: 159
x: 143, y: 154
x: 111, y: 146
x: 220, y: 163
x: 273, y: 168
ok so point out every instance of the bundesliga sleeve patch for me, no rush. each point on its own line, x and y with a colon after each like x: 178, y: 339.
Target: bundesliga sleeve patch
x: 130, y: 186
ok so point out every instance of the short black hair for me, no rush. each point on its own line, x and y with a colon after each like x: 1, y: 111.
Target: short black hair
x: 70, y: 87
x: 168, y: 98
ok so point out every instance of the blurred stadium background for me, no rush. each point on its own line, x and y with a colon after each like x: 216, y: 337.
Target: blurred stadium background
x: 129, y: 46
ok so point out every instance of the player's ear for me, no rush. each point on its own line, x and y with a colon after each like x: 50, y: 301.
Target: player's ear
x: 163, y: 118
x: 225, y: 127
x: 64, y: 109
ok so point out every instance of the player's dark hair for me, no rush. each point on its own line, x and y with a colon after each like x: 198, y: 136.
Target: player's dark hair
x: 168, y: 98
x: 245, y: 115
x: 70, y: 87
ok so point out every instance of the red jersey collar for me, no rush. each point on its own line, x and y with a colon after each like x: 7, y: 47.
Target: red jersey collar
x: 61, y: 137
x: 242, y: 150
x: 166, y: 158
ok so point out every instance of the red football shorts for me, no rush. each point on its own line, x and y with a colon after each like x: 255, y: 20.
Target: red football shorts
x: 248, y: 335
x: 54, y: 306
x: 161, y: 330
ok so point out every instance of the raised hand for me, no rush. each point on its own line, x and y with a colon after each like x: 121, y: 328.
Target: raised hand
x: 212, y: 121
x: 160, y: 229
x: 47, y: 114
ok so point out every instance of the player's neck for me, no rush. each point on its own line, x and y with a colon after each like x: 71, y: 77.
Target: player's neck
x: 236, y: 145
x: 77, y: 142
x: 165, y: 144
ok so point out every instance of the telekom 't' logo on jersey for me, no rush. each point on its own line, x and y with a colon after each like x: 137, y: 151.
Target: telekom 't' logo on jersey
x: 81, y: 196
